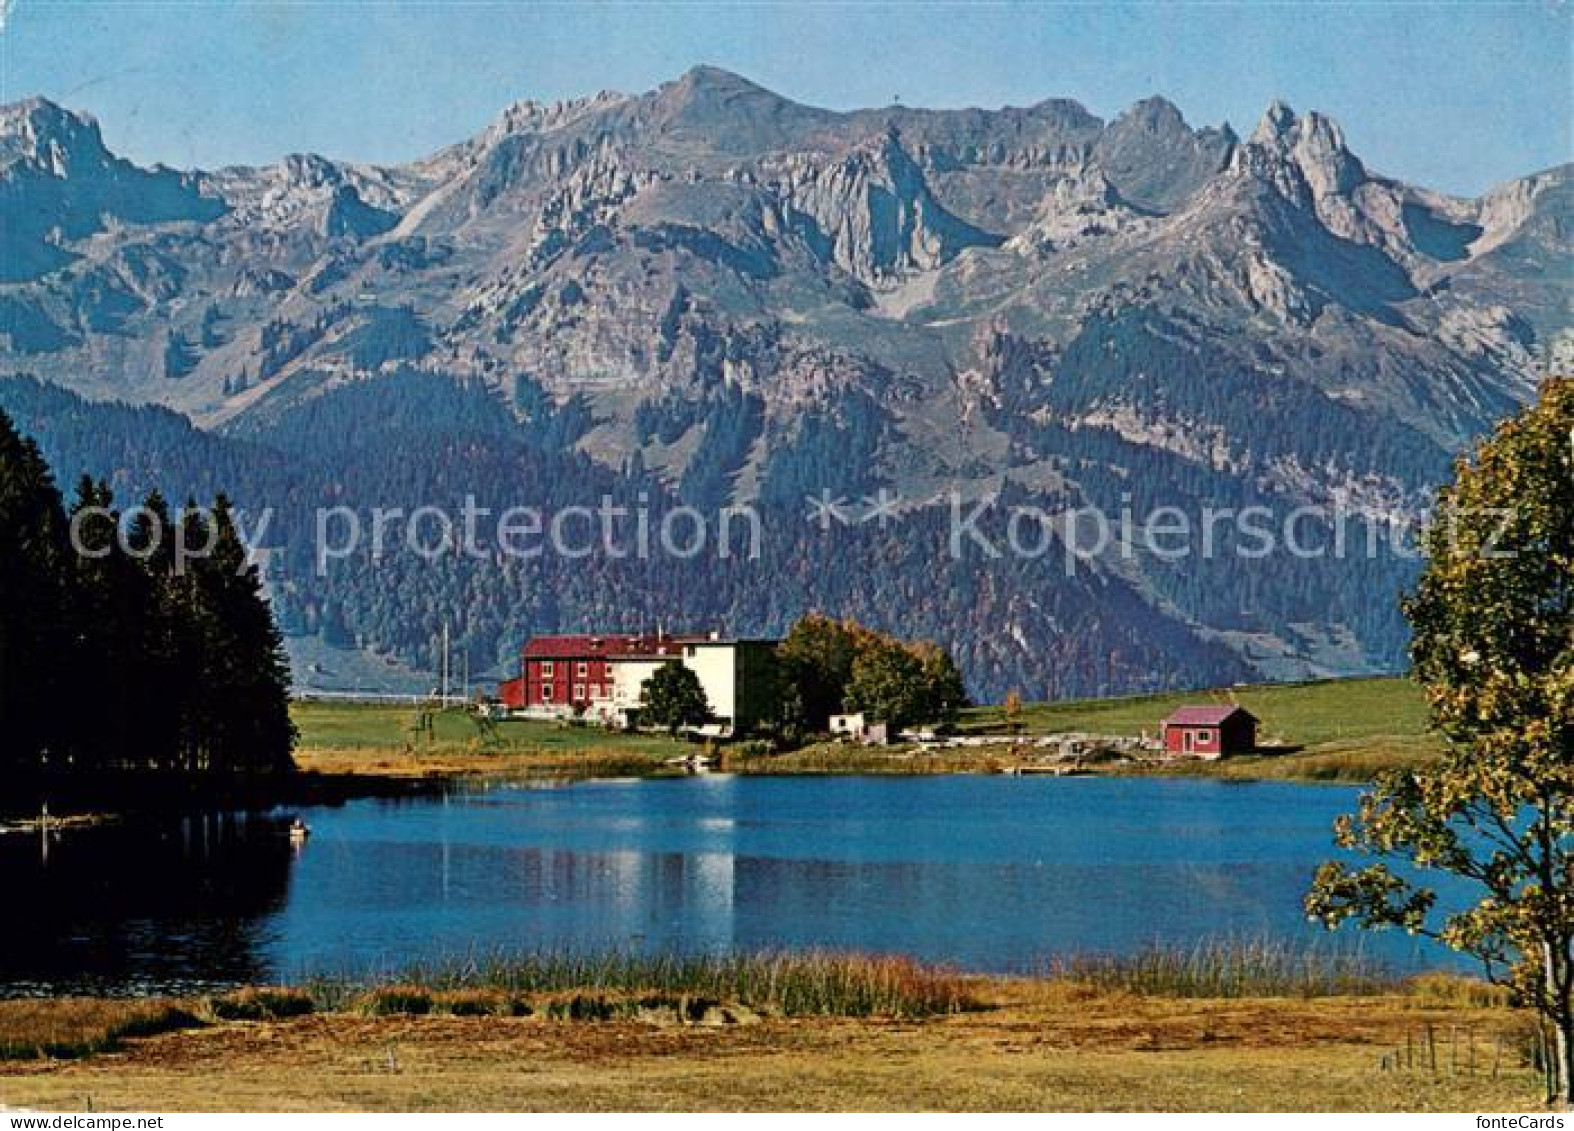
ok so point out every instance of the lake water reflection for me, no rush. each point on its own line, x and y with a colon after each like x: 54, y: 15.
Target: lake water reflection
x: 990, y: 873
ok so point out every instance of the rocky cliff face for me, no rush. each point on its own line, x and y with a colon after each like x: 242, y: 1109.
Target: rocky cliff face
x: 731, y: 290
x: 59, y: 186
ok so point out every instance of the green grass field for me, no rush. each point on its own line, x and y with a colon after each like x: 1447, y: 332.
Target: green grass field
x: 1333, y: 730
x: 1337, y: 730
x: 385, y: 740
x: 1297, y: 714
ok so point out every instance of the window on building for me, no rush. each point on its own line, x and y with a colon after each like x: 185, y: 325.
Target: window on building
x: 582, y: 670
x: 579, y: 693
x: 546, y: 691
x: 546, y: 668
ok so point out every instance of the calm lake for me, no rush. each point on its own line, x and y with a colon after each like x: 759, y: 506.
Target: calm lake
x: 989, y: 873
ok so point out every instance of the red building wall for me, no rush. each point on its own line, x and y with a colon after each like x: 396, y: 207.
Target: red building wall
x: 1205, y: 739
x: 560, y: 672
x: 554, y: 682
x: 1236, y: 735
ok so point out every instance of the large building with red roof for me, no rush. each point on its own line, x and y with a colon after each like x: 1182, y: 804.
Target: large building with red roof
x: 600, y: 676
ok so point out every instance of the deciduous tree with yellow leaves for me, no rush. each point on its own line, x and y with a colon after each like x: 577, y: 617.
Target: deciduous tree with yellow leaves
x: 1493, y: 621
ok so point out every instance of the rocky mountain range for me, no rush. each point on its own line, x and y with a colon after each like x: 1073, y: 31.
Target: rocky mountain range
x: 722, y: 296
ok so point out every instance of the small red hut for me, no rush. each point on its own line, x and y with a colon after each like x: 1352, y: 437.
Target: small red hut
x: 1210, y: 732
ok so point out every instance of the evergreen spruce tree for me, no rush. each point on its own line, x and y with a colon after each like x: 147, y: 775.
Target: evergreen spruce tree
x: 178, y: 659
x: 36, y: 648
x: 109, y: 618
x: 162, y: 639
x: 243, y: 673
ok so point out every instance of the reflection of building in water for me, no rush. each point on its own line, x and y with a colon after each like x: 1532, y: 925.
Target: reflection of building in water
x: 689, y: 896
x: 598, y: 900
x: 638, y: 879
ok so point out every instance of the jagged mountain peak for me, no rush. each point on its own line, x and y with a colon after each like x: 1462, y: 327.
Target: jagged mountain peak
x: 1276, y: 123
x: 46, y: 133
x: 310, y: 170
x: 1282, y: 128
x: 1155, y: 112
x: 531, y: 116
x: 1156, y: 158
x: 710, y: 95
x: 62, y: 184
x: 713, y: 111
x: 1304, y: 157
x: 1312, y: 142
x: 42, y: 116
x: 754, y: 299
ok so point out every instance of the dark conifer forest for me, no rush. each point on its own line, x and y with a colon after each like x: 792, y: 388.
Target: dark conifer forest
x: 123, y: 661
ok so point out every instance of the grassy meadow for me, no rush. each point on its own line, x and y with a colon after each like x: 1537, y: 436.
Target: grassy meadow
x: 1336, y: 730
x: 1330, y: 730
x: 386, y: 740
x: 1217, y: 1029
x: 1298, y: 714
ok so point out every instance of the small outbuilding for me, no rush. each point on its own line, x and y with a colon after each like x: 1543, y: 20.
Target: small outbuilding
x: 858, y: 728
x: 848, y: 726
x: 1210, y: 731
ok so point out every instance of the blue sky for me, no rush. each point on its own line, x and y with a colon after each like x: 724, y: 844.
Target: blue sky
x: 1456, y: 96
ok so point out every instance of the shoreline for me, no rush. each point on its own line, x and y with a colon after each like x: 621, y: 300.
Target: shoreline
x: 1342, y: 732
x: 1026, y: 1043
x: 336, y: 777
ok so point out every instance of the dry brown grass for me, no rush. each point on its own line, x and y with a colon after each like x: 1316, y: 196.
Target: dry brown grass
x: 1041, y: 1045
x: 418, y: 765
x: 852, y: 758
x: 69, y: 1027
x: 1357, y: 761
x: 259, y: 1003
x: 1451, y: 991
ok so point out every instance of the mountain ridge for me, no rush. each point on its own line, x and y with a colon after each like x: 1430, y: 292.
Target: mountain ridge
x: 752, y: 300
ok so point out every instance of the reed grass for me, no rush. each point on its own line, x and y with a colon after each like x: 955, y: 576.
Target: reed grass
x: 65, y: 1028
x: 260, y: 1003
x: 1442, y: 990
x: 813, y: 983
x: 1233, y: 968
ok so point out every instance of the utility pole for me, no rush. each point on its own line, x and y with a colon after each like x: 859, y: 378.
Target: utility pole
x: 445, y: 664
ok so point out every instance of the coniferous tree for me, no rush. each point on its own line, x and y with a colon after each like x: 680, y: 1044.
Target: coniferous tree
x: 36, y: 648
x: 240, y: 655
x: 177, y: 655
x: 110, y: 617
x: 163, y: 639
